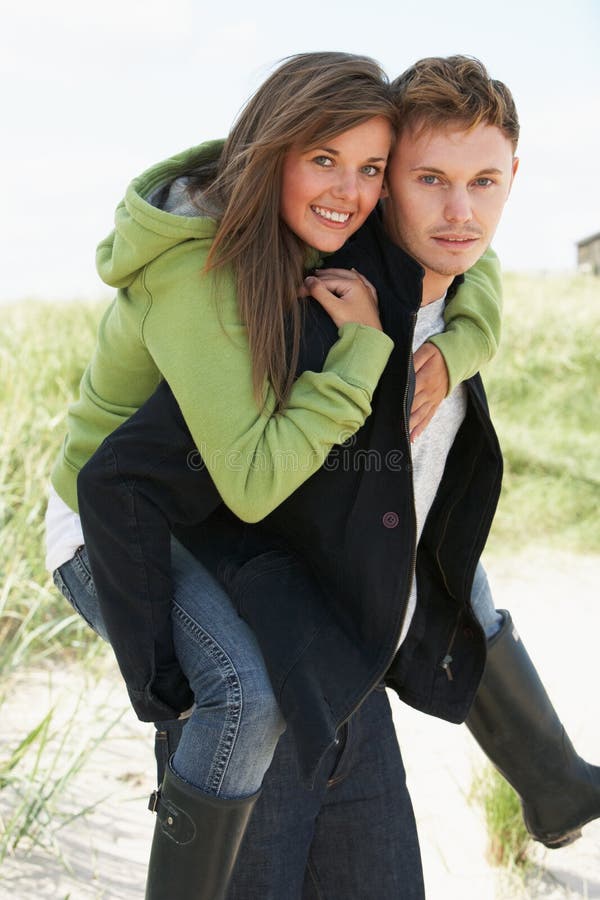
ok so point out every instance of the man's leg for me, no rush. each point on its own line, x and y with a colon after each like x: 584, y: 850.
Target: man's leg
x: 365, y: 844
x: 272, y: 860
x: 352, y: 836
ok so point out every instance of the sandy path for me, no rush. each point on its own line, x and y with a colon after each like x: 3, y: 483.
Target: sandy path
x: 107, y: 850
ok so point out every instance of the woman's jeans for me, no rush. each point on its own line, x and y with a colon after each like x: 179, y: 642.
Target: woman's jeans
x: 483, y: 604
x: 229, y: 739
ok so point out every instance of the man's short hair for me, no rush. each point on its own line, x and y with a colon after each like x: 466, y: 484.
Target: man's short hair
x: 438, y: 91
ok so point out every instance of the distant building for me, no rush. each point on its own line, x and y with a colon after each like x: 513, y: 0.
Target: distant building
x: 588, y: 254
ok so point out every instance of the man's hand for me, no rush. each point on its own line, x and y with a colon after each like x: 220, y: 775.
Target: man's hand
x: 430, y: 389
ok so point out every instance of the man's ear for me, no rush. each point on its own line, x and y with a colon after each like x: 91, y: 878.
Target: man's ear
x: 515, y: 166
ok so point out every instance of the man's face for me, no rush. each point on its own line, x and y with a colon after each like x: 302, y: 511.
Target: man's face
x: 446, y: 189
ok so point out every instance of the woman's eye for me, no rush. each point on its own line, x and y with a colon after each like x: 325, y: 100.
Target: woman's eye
x: 371, y: 170
x: 323, y: 160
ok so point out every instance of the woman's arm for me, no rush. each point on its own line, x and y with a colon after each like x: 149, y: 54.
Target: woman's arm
x: 473, y: 321
x: 256, y: 458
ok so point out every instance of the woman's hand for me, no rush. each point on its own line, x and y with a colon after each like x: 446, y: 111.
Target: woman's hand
x: 430, y: 388
x: 345, y: 295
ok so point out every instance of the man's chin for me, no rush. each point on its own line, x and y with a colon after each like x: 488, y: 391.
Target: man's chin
x: 455, y: 265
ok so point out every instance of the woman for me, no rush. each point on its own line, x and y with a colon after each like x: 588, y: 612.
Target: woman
x: 201, y: 251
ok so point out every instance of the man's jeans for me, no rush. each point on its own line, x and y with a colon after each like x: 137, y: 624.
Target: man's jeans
x: 230, y: 737
x: 353, y: 837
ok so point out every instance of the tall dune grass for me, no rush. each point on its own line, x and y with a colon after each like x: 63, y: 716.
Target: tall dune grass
x: 543, y: 390
x: 43, y: 350
x: 544, y: 393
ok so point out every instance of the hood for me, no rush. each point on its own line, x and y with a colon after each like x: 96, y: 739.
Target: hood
x: 143, y: 231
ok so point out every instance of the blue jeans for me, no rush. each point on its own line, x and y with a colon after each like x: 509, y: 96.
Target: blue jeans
x: 353, y: 837
x: 483, y: 604
x: 226, y: 745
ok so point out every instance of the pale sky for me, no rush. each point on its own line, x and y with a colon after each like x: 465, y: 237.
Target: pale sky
x: 94, y: 94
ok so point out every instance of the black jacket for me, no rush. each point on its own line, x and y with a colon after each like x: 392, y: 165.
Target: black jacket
x: 327, y: 616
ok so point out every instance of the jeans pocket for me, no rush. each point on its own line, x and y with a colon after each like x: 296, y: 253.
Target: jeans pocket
x: 239, y: 577
x: 343, y: 758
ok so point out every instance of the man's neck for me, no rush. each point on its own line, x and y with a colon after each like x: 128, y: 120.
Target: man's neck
x: 435, y: 286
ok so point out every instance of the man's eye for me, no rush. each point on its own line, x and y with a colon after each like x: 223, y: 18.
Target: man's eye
x: 429, y: 179
x: 483, y: 182
x: 323, y: 160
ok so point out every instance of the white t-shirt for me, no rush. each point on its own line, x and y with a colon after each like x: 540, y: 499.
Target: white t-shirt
x: 430, y: 450
x: 63, y: 532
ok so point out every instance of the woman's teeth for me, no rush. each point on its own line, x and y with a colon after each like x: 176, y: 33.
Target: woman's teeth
x: 331, y: 214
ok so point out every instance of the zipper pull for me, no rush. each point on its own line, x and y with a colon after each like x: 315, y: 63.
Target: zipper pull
x: 446, y: 666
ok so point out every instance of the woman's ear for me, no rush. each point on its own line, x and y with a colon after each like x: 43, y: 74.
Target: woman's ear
x: 384, y: 191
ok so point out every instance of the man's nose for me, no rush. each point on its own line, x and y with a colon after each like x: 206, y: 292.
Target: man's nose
x: 458, y: 206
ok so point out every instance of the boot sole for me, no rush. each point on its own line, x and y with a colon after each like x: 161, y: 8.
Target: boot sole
x: 563, y: 841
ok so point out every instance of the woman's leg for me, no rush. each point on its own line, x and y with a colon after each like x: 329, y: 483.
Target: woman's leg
x: 212, y: 780
x: 210, y: 786
x: 228, y: 741
x: 483, y: 604
x: 514, y: 722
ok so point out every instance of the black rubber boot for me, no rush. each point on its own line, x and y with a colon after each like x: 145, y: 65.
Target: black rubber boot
x: 196, y: 841
x: 515, y: 724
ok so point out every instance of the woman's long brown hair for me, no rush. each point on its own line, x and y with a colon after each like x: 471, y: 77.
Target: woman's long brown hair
x: 310, y: 97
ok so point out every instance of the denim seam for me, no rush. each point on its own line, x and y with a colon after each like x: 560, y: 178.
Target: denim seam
x: 83, y: 572
x: 67, y: 593
x: 310, y: 868
x: 233, y: 686
x: 61, y: 585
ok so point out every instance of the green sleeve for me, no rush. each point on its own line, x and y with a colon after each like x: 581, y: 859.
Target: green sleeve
x: 473, y: 321
x: 256, y: 458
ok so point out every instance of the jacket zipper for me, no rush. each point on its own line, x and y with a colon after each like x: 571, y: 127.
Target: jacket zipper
x: 445, y: 663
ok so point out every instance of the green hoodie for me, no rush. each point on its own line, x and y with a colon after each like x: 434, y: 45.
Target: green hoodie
x: 171, y: 320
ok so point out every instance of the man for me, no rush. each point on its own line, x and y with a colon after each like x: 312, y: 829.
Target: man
x: 442, y: 209
x: 352, y: 835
